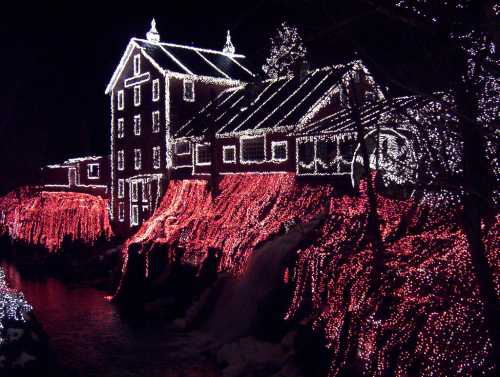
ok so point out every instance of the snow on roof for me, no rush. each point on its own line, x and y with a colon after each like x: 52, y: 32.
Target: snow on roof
x: 171, y: 57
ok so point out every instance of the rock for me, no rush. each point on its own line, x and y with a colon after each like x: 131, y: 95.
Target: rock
x: 14, y: 334
x: 23, y: 359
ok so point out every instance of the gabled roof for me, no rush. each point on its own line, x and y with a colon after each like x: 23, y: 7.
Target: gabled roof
x: 170, y: 57
x: 343, y: 120
x: 278, y: 104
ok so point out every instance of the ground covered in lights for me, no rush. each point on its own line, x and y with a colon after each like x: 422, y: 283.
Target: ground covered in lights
x: 41, y: 218
x: 425, y: 319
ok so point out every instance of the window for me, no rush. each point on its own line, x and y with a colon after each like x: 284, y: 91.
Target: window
x: 121, y: 188
x: 145, y: 192
x: 137, y: 159
x: 137, y: 95
x: 134, y: 219
x: 121, y: 160
x: 137, y: 125
x: 279, y: 150
x: 121, y: 211
x: 121, y: 100
x: 188, y: 90
x: 156, y: 90
x: 156, y: 157
x: 120, y: 133
x: 156, y: 121
x: 252, y: 149
x: 229, y: 154
x: 182, y: 148
x: 137, y: 64
x: 203, y: 155
x: 93, y: 171
x: 134, y: 190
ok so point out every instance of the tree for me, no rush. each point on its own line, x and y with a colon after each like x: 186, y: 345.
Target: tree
x: 287, y: 52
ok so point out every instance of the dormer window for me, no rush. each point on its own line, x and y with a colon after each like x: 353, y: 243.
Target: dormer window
x: 137, y: 95
x: 121, y: 102
x: 137, y: 64
x: 188, y: 90
x: 156, y: 90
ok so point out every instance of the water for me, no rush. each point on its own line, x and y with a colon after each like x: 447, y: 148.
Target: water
x: 92, y: 338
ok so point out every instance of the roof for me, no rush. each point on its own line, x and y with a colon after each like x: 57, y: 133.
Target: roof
x: 343, y: 120
x: 170, y: 57
x: 276, y: 103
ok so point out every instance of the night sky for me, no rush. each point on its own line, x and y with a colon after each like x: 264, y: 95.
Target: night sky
x: 56, y: 62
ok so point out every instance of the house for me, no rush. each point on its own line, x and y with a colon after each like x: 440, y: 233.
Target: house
x: 154, y: 89
x: 183, y: 112
x: 85, y: 174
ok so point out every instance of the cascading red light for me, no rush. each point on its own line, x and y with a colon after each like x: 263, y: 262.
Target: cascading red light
x: 45, y: 218
x: 434, y: 323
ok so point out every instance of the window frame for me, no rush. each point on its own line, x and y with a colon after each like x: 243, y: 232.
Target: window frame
x: 120, y: 128
x: 134, y: 191
x: 89, y: 168
x: 157, y: 157
x: 155, y: 119
x: 155, y: 90
x: 197, y: 155
x: 275, y: 144
x: 242, y: 151
x: 134, y: 215
x: 185, y: 83
x: 137, y: 124
x: 137, y: 95
x: 121, y: 188
x: 177, y: 143
x: 137, y: 64
x: 121, y: 99
x: 137, y: 159
x: 121, y: 211
x: 224, y: 149
x: 120, y: 160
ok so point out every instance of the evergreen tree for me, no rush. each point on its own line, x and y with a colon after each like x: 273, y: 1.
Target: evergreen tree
x: 286, y: 54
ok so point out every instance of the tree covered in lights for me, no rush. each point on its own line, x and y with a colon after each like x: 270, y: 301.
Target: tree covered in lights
x: 287, y: 52
x: 458, y: 142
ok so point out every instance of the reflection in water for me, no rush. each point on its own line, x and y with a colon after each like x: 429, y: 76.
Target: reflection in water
x: 91, y: 338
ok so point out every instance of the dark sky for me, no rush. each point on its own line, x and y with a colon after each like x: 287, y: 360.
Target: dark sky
x: 56, y: 61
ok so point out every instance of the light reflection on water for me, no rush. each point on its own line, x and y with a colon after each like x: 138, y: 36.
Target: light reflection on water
x: 92, y: 338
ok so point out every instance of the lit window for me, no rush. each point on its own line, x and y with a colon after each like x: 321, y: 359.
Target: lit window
x: 252, y: 149
x: 203, y: 155
x: 156, y: 90
x: 229, y: 154
x: 134, y: 220
x: 182, y: 148
x: 156, y: 121
x: 145, y: 192
x: 121, y: 211
x: 156, y: 157
x: 137, y: 125
x: 121, y: 160
x: 121, y: 128
x: 188, y: 90
x: 279, y: 150
x: 121, y: 100
x: 137, y: 95
x: 93, y: 171
x: 121, y: 188
x: 137, y: 159
x: 134, y: 190
x: 137, y: 64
